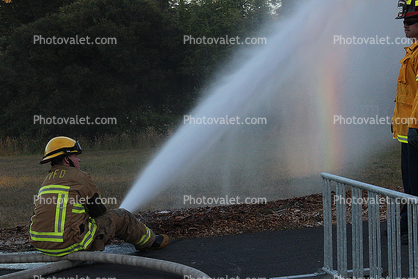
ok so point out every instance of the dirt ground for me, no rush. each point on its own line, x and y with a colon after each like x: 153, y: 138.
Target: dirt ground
x: 208, y: 221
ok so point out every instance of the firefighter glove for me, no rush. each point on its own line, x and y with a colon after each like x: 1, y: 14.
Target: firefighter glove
x: 413, y: 137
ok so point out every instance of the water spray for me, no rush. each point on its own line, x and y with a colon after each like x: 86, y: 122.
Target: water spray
x: 298, y: 81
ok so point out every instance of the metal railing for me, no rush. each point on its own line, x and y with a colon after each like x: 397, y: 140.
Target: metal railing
x: 359, y: 204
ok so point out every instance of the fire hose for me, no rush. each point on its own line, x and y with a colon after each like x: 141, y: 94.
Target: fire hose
x: 73, y: 259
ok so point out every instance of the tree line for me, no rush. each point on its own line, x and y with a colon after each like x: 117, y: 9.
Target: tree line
x: 135, y: 68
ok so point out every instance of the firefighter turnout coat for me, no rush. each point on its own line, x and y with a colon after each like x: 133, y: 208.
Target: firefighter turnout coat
x: 61, y: 223
x: 406, y: 108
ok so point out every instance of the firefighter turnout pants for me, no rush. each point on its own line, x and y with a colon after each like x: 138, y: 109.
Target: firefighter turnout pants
x: 124, y: 225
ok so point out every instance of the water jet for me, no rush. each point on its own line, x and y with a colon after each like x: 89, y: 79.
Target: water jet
x: 298, y: 82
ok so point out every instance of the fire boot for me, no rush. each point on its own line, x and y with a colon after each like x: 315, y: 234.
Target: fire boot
x: 160, y: 242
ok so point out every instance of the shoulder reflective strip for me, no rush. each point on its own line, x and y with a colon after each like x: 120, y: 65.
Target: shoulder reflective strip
x: 88, y: 238
x: 53, y: 189
x: 144, y: 238
x: 408, y: 2
x: 78, y: 208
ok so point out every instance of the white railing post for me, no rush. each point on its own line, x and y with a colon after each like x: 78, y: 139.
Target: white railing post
x: 341, y: 230
x: 357, y: 232
x: 327, y: 213
x: 375, y: 250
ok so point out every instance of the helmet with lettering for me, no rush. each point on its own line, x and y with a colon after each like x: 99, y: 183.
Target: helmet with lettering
x: 59, y: 146
x: 407, y: 9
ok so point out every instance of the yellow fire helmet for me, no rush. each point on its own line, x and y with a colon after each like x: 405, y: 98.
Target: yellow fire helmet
x: 60, y: 146
x: 407, y: 8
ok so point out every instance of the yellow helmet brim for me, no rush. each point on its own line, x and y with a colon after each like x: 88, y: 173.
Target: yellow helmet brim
x: 59, y: 146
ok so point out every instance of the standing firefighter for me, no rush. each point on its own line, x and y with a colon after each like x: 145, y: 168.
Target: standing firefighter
x: 405, y: 117
x: 69, y: 215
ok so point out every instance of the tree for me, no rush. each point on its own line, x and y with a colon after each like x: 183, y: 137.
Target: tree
x: 15, y: 13
x: 131, y: 79
x: 145, y: 75
x: 215, y: 20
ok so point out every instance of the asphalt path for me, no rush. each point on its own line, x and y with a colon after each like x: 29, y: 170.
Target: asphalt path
x: 257, y: 255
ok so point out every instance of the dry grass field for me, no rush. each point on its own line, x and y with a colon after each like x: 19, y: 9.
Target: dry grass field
x: 114, y: 171
x: 382, y: 169
x: 21, y: 177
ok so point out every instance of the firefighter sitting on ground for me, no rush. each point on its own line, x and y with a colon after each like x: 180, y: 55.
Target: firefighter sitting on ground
x: 69, y: 215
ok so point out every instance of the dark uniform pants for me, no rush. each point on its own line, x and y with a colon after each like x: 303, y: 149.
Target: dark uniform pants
x: 124, y: 225
x: 409, y: 166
